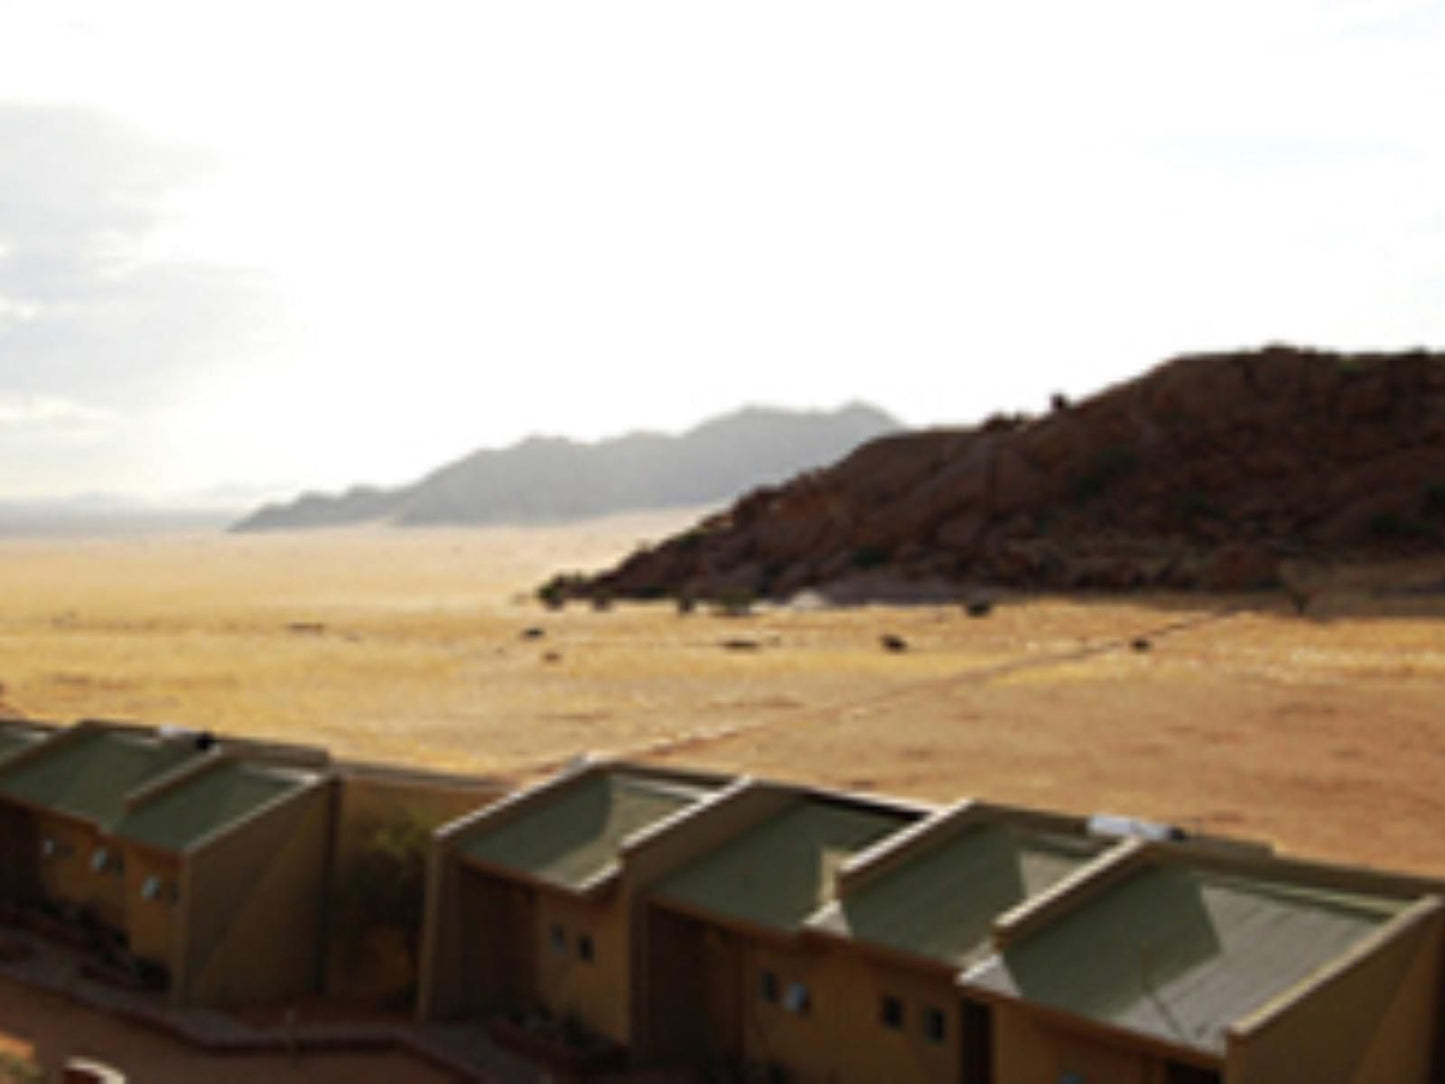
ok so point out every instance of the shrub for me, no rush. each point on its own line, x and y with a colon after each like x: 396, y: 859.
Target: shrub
x: 866, y: 557
x: 735, y: 602
x: 555, y: 592
x: 16, y: 1069
x: 1107, y: 466
x: 1388, y: 526
x: 383, y: 887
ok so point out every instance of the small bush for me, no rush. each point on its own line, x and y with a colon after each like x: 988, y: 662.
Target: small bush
x: 1195, y: 505
x: 1394, y: 526
x: 15, y: 1069
x: 555, y: 592
x: 735, y: 602
x: 866, y: 557
x: 1109, y: 465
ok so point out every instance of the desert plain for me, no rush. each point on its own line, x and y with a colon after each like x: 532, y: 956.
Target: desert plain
x: 1324, y: 733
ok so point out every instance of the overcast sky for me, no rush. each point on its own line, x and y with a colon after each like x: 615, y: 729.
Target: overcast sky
x: 310, y: 244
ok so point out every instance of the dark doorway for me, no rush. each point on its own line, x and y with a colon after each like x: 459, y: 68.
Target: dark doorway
x: 1178, y: 1073
x: 976, y: 1037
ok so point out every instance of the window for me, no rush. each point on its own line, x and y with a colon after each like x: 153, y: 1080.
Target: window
x: 935, y: 1025
x: 768, y: 987
x: 559, y: 937
x: 154, y: 888
x: 1069, y: 1076
x: 584, y: 947
x: 890, y: 1011
x: 798, y: 999
x: 103, y: 860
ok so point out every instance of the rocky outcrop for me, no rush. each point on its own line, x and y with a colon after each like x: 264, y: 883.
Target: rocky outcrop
x: 1206, y: 472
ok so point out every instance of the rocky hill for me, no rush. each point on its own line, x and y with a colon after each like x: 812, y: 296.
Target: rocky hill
x: 549, y: 479
x: 1206, y: 472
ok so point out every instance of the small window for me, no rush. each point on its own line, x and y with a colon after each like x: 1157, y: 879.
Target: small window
x: 1070, y: 1076
x: 768, y: 987
x: 154, y: 888
x: 890, y: 1011
x: 584, y: 947
x: 559, y: 937
x: 935, y: 1025
x: 798, y: 999
x: 100, y: 860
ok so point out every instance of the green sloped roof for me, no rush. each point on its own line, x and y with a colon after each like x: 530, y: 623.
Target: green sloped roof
x: 188, y: 813
x: 573, y: 835
x: 779, y: 873
x: 90, y: 775
x: 942, y: 904
x: 1178, y: 954
x: 16, y: 736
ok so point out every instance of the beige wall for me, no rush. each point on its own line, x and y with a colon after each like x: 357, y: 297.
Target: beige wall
x: 70, y: 879
x: 841, y: 1036
x: 19, y: 854
x: 1029, y: 1049
x: 151, y: 925
x: 1375, y: 1021
x: 252, y: 908
x: 381, y: 967
x: 594, y: 992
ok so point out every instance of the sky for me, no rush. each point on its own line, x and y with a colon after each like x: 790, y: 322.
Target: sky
x: 272, y: 247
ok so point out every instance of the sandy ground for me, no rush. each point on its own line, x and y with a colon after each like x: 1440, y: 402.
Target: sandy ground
x: 1324, y: 734
x: 49, y: 1030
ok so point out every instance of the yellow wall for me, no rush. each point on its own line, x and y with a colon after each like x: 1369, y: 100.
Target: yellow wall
x: 841, y: 1036
x: 19, y: 854
x: 1377, y: 1021
x: 151, y: 924
x: 382, y: 967
x: 1030, y: 1050
x: 70, y: 880
x: 595, y: 992
x: 252, y: 908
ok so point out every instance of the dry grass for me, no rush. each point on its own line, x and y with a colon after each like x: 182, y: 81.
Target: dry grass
x: 1325, y: 734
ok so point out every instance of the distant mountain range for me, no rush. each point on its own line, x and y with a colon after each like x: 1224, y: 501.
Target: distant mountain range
x: 553, y: 479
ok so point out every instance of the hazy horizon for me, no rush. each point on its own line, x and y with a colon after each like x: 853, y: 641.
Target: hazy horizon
x: 300, y: 247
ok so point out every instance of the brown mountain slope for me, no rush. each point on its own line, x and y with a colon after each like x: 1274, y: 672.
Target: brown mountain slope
x: 1205, y: 472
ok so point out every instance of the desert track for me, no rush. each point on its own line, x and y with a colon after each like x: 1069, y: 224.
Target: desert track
x: 1322, y: 733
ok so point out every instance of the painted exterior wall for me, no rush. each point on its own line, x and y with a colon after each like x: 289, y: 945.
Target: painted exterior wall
x: 852, y: 987
x: 711, y: 1006
x: 152, y: 925
x: 840, y: 1036
x: 252, y: 909
x: 1030, y: 1049
x: 595, y: 991
x: 381, y: 966
x: 491, y: 964
x: 66, y: 877
x: 19, y: 855
x: 1377, y: 1021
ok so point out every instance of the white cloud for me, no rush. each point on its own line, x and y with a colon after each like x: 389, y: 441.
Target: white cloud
x: 52, y: 412
x: 490, y: 219
x: 14, y: 311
